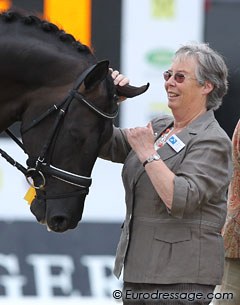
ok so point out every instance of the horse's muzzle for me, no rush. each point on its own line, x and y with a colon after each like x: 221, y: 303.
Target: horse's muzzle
x: 59, y: 214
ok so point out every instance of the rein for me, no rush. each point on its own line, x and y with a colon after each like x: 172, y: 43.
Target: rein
x: 40, y: 167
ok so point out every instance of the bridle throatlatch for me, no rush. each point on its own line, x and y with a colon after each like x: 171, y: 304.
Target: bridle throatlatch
x: 40, y: 168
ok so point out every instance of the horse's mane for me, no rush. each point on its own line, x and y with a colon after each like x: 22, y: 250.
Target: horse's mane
x: 46, y: 26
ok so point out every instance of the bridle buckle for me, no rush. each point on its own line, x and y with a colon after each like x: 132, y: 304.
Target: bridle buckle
x: 31, y: 172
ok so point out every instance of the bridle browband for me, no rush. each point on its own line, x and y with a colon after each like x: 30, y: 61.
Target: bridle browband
x: 41, y: 166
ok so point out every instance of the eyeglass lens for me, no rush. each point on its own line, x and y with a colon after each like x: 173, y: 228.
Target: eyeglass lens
x: 179, y: 77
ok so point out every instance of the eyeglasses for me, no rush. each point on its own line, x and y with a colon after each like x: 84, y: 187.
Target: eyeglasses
x: 178, y: 77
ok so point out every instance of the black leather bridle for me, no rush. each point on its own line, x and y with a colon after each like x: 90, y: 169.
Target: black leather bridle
x: 40, y: 167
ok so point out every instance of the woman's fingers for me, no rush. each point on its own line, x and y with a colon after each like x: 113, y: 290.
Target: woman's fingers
x: 119, y: 79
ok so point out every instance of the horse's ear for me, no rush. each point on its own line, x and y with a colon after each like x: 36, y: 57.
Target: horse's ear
x: 131, y: 91
x: 97, y: 74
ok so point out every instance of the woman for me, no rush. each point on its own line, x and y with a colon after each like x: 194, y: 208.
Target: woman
x: 176, y: 174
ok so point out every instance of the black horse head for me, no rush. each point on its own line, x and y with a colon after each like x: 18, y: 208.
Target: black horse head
x: 66, y: 101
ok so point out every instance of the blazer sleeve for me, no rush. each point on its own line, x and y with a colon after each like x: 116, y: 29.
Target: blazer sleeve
x: 117, y: 148
x: 205, y: 170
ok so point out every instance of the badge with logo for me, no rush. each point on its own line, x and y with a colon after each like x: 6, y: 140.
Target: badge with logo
x: 175, y: 143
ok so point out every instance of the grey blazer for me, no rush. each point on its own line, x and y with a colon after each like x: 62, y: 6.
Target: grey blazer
x: 184, y: 244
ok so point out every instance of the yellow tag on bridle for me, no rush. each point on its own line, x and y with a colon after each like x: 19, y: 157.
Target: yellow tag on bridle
x: 30, y: 195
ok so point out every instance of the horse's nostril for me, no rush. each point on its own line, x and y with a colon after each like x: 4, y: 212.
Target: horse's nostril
x: 58, y: 223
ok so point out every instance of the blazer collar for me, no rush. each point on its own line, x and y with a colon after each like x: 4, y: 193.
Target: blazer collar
x: 196, y: 126
x: 201, y: 123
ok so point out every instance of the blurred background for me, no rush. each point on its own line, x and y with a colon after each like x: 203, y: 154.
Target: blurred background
x: 139, y: 38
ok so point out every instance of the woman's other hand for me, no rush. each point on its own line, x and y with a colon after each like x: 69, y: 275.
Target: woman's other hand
x: 119, y: 79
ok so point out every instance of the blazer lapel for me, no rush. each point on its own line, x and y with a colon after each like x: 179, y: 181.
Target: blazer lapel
x: 166, y: 151
x: 186, y: 134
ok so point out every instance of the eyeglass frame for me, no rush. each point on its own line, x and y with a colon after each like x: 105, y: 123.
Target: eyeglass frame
x: 178, y: 75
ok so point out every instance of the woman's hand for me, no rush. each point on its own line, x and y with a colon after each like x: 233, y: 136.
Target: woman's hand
x: 142, y: 140
x: 119, y: 79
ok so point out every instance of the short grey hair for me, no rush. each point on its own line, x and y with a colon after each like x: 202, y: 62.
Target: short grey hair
x: 211, y: 67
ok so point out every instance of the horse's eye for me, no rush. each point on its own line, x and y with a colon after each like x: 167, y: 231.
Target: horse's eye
x: 115, y: 98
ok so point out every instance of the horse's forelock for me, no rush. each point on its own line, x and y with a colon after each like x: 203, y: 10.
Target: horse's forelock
x: 46, y: 26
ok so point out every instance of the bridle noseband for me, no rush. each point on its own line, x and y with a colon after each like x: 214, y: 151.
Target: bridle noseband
x: 40, y: 167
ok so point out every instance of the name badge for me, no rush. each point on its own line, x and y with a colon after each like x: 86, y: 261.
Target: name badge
x: 175, y: 143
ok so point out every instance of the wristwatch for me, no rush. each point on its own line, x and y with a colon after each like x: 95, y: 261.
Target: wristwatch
x: 154, y: 157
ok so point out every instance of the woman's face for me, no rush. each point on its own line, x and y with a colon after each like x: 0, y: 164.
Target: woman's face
x: 188, y: 95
